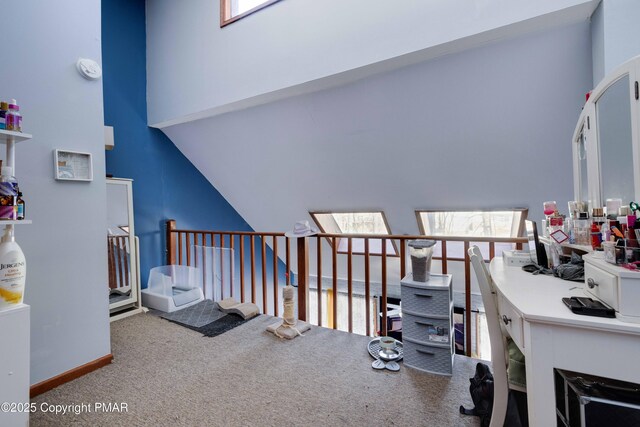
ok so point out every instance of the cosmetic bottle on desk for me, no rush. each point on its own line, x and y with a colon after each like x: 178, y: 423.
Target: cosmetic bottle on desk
x: 597, y: 223
x: 582, y: 230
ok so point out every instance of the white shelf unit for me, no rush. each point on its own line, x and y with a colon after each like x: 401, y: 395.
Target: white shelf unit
x: 14, y: 363
x: 14, y: 325
x: 10, y: 139
x: 6, y: 135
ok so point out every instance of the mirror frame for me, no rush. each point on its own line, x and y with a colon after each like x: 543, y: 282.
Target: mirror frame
x: 587, y: 123
x: 134, y: 266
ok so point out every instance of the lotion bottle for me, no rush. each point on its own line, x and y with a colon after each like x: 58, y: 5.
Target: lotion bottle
x: 13, y: 270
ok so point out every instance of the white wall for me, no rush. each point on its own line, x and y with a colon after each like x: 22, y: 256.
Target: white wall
x: 65, y: 247
x: 196, y: 69
x: 597, y: 44
x: 616, y: 35
x: 489, y: 127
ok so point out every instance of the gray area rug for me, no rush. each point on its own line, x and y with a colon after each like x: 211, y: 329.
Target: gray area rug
x: 116, y: 297
x: 171, y: 376
x: 197, y: 315
x: 217, y: 327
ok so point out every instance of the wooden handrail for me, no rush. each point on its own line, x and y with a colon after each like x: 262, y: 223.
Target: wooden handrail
x: 478, y: 239
x: 235, y: 233
x: 178, y: 250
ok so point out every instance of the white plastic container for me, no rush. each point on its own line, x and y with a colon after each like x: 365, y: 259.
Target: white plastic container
x: 173, y: 287
x: 421, y: 252
x: 13, y: 271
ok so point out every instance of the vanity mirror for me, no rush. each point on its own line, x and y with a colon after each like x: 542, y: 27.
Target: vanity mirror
x: 606, y: 142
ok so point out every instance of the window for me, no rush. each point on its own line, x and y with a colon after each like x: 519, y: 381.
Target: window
x: 232, y: 10
x: 356, y: 223
x: 487, y: 224
x: 498, y: 223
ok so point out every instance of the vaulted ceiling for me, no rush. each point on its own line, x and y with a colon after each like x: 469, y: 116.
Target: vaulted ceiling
x: 416, y: 111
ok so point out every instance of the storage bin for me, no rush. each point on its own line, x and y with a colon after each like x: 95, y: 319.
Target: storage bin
x: 427, y: 298
x: 427, y: 329
x: 584, y: 400
x: 427, y: 358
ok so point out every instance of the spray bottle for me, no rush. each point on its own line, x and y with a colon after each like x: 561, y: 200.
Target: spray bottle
x: 13, y: 270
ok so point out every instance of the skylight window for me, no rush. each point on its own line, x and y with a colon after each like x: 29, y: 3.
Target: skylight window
x: 356, y: 223
x: 498, y: 223
x: 507, y: 223
x: 232, y: 10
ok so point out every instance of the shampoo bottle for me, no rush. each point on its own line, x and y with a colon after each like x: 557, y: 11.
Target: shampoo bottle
x: 13, y: 270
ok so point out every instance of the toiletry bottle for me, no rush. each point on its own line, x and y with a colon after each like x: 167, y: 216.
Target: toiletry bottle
x: 13, y: 270
x: 4, y: 107
x: 8, y: 193
x: 599, y: 220
x: 13, y: 118
x: 20, y: 214
x: 596, y: 235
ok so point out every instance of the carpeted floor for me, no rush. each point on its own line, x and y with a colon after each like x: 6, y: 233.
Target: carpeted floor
x: 171, y: 376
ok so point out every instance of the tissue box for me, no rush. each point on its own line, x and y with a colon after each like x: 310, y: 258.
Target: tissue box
x: 516, y: 258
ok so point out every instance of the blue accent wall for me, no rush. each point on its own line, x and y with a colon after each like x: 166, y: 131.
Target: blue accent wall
x: 165, y: 184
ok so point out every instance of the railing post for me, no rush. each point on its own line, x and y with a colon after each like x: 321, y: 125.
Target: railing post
x: 303, y: 277
x: 171, y: 242
x: 467, y: 300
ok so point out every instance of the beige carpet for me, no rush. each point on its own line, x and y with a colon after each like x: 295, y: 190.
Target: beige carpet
x: 171, y: 376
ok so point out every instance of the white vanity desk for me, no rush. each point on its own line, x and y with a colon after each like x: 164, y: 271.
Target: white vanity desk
x: 551, y: 336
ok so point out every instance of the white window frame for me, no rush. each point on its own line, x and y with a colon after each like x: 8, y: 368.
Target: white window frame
x: 357, y: 244
x: 225, y: 11
x: 455, y: 249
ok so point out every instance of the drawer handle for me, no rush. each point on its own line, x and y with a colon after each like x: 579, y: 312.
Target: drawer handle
x: 591, y: 283
x: 423, y: 296
x: 506, y: 319
x: 418, y: 322
x: 428, y: 353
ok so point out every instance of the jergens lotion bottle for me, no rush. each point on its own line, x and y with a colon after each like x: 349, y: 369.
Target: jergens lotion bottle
x: 13, y: 270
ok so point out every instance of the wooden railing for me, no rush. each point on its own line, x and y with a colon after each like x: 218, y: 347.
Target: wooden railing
x: 118, y: 261
x: 279, y: 248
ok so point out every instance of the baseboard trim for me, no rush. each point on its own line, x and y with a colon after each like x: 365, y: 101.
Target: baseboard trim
x: 70, y: 375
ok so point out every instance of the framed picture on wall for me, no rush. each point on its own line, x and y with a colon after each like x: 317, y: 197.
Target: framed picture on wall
x: 72, y: 165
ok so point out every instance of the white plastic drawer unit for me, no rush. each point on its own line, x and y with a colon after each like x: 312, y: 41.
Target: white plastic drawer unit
x: 427, y: 323
x: 511, y: 319
x: 429, y: 298
x: 427, y: 358
x: 428, y: 330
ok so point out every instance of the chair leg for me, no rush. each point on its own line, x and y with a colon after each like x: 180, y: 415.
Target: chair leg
x: 500, y: 400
